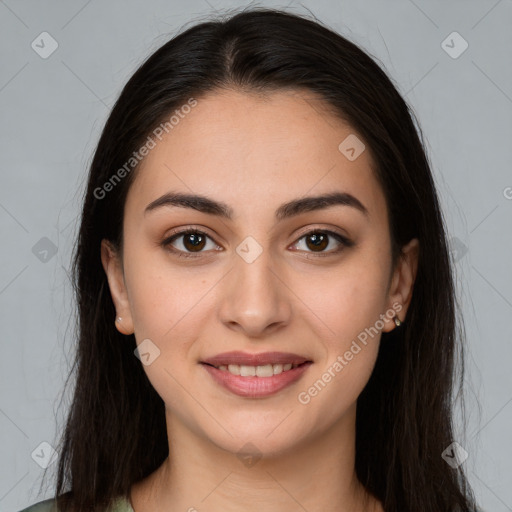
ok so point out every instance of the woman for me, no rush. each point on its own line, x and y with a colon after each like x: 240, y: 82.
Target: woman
x: 267, y: 310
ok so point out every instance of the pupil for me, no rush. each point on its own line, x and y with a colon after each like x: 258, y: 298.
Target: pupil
x: 318, y: 240
x: 189, y: 240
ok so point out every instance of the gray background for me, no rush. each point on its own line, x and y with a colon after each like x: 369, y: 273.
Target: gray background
x: 53, y: 109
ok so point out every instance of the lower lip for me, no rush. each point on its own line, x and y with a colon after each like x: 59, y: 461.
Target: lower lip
x: 256, y: 387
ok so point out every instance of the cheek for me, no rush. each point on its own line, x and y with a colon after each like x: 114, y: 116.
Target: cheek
x: 349, y: 308
x: 347, y: 300
x: 348, y: 303
x: 155, y: 303
x: 170, y: 306
x: 159, y: 296
x: 165, y: 307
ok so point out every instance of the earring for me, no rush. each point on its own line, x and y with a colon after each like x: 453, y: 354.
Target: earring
x: 118, y: 319
x: 398, y: 323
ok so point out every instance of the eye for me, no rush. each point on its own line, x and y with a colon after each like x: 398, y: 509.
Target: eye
x: 194, y: 241
x: 318, y: 240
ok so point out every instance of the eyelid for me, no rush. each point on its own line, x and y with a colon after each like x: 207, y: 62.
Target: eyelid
x: 174, y: 235
x: 331, y: 231
x: 341, y: 238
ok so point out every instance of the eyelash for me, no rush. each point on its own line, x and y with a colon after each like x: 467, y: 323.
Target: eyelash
x: 166, y: 244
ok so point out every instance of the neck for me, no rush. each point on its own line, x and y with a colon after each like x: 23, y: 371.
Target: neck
x: 317, y: 475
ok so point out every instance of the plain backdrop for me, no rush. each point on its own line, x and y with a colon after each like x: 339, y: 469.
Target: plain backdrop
x: 450, y: 60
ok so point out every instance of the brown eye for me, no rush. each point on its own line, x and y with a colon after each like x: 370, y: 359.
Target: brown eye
x: 191, y: 241
x: 318, y: 240
x: 194, y: 241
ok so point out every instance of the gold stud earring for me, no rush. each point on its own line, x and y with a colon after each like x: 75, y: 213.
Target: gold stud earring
x: 398, y: 323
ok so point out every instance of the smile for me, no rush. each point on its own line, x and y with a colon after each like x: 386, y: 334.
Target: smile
x: 257, y: 371
x: 256, y: 381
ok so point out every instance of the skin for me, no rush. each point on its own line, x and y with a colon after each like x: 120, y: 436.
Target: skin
x: 254, y: 154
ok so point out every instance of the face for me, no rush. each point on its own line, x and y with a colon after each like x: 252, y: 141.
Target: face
x: 310, y: 280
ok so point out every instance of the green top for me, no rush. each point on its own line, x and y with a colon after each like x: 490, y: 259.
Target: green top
x: 121, y: 505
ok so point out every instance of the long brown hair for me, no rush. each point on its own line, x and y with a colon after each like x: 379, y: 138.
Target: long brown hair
x: 115, y: 432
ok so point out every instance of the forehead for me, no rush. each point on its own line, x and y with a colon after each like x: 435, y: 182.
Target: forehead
x: 251, y: 150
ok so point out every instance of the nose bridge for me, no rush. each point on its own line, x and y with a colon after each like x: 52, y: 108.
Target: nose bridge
x: 254, y: 299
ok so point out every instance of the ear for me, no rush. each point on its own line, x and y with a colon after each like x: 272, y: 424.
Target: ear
x: 112, y: 265
x: 402, y: 283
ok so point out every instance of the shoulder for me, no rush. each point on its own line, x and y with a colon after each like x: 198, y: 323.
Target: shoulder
x: 50, y: 505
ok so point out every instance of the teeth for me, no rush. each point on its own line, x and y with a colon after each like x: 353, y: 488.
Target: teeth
x: 247, y: 371
x: 264, y: 371
x: 259, y: 371
x: 232, y: 368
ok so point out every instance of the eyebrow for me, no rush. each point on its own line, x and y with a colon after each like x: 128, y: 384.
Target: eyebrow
x: 286, y: 210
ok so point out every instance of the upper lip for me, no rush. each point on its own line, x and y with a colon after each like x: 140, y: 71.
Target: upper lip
x: 247, y: 359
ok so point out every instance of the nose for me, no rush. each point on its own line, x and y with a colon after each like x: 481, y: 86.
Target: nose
x: 255, y: 298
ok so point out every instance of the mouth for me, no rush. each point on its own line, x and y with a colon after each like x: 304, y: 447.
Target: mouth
x: 267, y: 370
x: 256, y: 375
x: 240, y: 358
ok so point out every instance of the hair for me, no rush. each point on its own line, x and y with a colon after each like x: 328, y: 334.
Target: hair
x: 115, y: 432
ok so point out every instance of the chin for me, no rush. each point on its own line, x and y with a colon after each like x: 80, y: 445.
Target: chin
x: 257, y: 441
